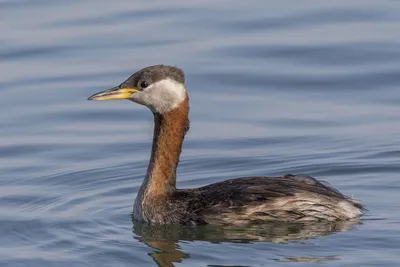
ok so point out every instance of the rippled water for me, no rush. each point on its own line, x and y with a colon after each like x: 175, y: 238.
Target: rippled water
x: 275, y: 87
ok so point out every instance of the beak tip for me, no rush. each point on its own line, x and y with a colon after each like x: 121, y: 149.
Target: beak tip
x: 92, y: 97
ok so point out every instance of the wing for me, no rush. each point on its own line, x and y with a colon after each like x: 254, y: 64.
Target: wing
x: 288, y: 198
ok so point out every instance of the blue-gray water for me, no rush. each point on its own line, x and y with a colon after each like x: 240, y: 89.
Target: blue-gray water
x: 275, y: 87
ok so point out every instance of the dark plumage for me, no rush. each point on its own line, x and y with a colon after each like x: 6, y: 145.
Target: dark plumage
x: 238, y: 201
x: 154, y: 74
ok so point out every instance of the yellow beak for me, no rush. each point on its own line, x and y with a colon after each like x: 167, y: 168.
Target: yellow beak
x: 115, y: 93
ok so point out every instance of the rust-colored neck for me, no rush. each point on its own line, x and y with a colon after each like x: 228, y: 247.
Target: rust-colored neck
x: 169, y: 131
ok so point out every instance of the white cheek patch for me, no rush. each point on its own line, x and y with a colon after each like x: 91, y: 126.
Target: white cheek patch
x: 161, y: 96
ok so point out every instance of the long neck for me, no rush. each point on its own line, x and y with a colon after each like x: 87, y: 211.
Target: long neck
x: 169, y: 131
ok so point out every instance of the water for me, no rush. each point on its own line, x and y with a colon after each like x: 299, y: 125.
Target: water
x: 275, y: 87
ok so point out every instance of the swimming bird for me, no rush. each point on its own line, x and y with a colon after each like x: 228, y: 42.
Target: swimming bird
x: 239, y: 201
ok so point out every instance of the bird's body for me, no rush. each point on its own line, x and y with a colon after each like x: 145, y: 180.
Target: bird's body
x: 247, y: 200
x: 236, y: 201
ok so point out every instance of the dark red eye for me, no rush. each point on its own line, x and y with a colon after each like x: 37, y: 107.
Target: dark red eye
x: 144, y: 84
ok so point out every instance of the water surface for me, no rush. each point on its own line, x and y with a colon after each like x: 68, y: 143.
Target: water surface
x: 275, y: 87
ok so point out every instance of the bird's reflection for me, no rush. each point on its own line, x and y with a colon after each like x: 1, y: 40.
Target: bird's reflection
x: 165, y: 238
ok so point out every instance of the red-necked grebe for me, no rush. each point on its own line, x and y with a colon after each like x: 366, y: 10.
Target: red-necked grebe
x: 236, y: 201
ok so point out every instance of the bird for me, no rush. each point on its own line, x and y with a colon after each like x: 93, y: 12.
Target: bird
x: 237, y: 201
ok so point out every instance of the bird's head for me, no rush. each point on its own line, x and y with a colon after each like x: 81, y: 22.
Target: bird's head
x: 160, y: 88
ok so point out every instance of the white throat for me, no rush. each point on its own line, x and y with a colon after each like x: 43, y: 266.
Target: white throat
x: 161, y: 96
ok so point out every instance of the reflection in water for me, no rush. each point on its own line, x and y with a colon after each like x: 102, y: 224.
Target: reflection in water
x: 167, y: 253
x: 165, y: 238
